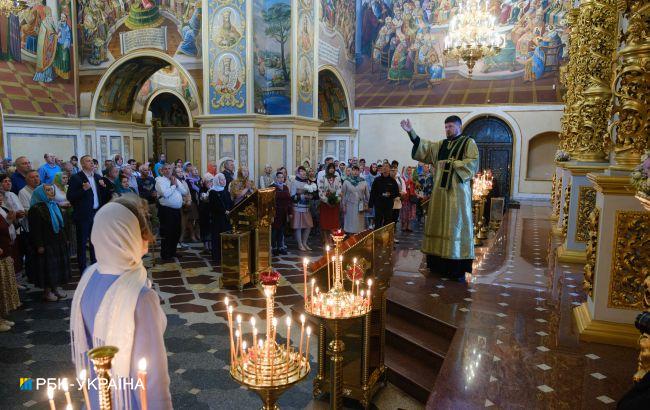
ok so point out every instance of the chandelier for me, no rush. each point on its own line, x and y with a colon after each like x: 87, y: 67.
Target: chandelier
x: 472, y: 35
x: 8, y: 7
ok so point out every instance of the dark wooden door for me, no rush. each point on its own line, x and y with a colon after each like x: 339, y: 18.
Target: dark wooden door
x: 494, y: 139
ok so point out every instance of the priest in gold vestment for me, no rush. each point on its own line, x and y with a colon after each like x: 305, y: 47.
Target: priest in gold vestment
x: 448, y: 232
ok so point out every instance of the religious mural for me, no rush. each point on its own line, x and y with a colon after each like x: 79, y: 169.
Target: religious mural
x: 333, y: 107
x: 402, y: 44
x: 110, y: 29
x: 168, y: 78
x: 227, y: 55
x: 336, y: 41
x: 272, y: 56
x: 37, y: 51
x: 306, y: 58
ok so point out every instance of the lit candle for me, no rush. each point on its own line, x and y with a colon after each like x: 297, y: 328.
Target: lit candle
x: 232, y: 342
x: 66, y: 391
x: 243, y: 351
x: 327, y: 250
x: 84, y: 386
x: 238, y: 337
x: 241, y: 334
x: 358, y: 282
x: 274, y: 329
x: 313, y: 283
x: 50, y: 397
x: 302, y: 333
x: 304, y: 270
x: 254, y: 340
x: 142, y: 376
x: 307, y: 346
x: 354, y: 274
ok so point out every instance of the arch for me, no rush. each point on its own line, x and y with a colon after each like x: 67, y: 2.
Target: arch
x: 160, y: 91
x: 122, y: 79
x: 540, y: 158
x: 337, y: 74
x: 494, y: 138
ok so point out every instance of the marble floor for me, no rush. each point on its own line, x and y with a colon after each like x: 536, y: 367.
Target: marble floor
x: 514, y: 345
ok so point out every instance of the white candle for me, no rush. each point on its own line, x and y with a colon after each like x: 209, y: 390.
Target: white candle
x: 354, y: 274
x: 84, y: 385
x: 274, y: 329
x: 66, y: 391
x: 50, y: 397
x: 358, y: 282
x: 241, y: 334
x: 313, y: 283
x: 238, y: 337
x: 307, y: 346
x: 302, y: 333
x: 327, y: 250
x: 304, y: 270
x: 288, y: 323
x: 142, y: 376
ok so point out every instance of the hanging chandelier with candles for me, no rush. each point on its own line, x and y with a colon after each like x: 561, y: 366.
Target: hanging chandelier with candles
x: 8, y: 7
x: 472, y: 35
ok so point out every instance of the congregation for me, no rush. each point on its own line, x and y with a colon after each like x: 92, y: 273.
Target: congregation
x: 48, y: 212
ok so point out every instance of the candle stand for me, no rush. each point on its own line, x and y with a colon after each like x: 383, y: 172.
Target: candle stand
x: 102, y: 357
x: 336, y: 308
x: 267, y: 367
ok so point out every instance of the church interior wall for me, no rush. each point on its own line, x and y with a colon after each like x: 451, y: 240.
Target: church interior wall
x: 380, y: 134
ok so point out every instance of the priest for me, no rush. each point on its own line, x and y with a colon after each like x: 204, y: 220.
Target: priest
x: 448, y: 234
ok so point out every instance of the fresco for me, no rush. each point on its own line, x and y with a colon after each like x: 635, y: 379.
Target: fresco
x: 168, y: 78
x: 37, y: 51
x: 169, y: 110
x: 272, y: 57
x: 109, y: 29
x: 306, y: 58
x: 337, y: 20
x: 402, y: 46
x: 333, y: 108
x: 227, y: 55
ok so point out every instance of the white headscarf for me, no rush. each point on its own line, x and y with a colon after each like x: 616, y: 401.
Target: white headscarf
x: 219, y: 182
x: 118, y: 246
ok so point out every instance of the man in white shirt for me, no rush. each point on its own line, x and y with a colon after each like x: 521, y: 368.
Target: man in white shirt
x: 170, y: 200
x: 25, y: 195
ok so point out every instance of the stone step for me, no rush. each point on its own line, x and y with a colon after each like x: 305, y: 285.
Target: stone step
x: 419, y: 342
x: 409, y: 373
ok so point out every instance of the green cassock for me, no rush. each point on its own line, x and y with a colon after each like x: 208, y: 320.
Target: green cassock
x: 448, y: 232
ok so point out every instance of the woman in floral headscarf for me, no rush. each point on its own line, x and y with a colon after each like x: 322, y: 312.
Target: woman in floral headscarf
x: 242, y: 186
x: 51, y: 259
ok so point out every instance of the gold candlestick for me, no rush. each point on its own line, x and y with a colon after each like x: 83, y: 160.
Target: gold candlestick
x: 102, y: 358
x: 267, y: 367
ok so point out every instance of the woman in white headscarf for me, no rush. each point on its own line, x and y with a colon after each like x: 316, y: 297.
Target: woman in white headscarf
x: 220, y: 205
x: 114, y: 305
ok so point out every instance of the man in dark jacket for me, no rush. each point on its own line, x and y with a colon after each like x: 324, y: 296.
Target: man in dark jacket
x: 87, y: 193
x: 384, y: 190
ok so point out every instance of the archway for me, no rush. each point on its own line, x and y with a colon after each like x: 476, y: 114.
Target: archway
x: 540, y: 163
x: 118, y: 88
x: 334, y: 112
x: 495, y: 140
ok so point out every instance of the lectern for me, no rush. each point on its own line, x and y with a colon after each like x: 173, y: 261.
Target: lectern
x: 246, y: 249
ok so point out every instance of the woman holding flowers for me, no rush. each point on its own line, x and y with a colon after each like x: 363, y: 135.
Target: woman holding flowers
x: 302, y: 192
x: 329, y: 191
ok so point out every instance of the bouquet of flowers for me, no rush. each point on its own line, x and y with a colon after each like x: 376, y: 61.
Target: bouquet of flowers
x: 310, y: 188
x: 562, y: 156
x: 641, y: 175
x: 332, y: 198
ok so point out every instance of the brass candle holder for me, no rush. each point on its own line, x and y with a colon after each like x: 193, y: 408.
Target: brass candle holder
x: 102, y: 357
x: 267, y: 367
x: 335, y: 307
x: 481, y: 187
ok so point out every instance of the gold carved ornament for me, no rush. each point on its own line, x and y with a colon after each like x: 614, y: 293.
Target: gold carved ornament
x: 553, y: 185
x: 586, y: 204
x: 644, y: 340
x: 565, y: 210
x: 630, y: 257
x: 592, y: 244
x: 558, y: 196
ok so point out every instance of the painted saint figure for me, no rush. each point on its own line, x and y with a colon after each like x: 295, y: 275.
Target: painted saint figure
x: 46, y: 48
x: 227, y: 34
x: 63, y: 45
x: 190, y: 32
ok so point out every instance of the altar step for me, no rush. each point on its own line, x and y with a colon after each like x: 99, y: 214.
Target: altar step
x: 416, y: 344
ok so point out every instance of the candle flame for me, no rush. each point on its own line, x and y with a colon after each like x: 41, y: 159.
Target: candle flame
x: 369, y: 282
x: 239, y: 319
x: 275, y: 322
x: 255, y: 331
x: 288, y: 321
x: 354, y: 260
x: 313, y: 281
x: 327, y: 248
x: 236, y: 333
x: 230, y: 309
x: 302, y: 319
x: 260, y: 343
x: 305, y: 261
x: 50, y: 392
x: 253, y: 321
x: 64, y: 384
x: 225, y: 300
x: 340, y: 257
x: 243, y: 345
x: 308, y: 331
x: 142, y: 365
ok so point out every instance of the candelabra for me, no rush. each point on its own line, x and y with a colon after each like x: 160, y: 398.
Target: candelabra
x: 472, y: 34
x: 102, y: 358
x: 481, y: 187
x: 336, y: 306
x: 267, y: 367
